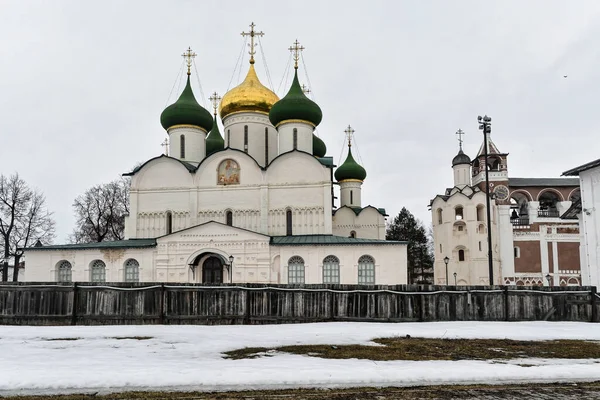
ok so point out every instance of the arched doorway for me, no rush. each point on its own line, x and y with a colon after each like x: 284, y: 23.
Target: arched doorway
x: 212, y: 270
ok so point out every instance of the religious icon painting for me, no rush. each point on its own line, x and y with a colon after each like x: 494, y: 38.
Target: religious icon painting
x: 228, y: 173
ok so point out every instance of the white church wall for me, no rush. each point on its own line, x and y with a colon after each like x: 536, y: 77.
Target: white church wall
x: 194, y: 143
x: 162, y: 173
x: 590, y: 232
x: 390, y: 262
x: 256, y: 123
x: 304, y: 137
x: 42, y: 265
x: 368, y: 224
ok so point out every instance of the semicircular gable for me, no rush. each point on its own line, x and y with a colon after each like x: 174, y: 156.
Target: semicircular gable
x: 297, y: 167
x: 162, y: 172
x: 228, y: 167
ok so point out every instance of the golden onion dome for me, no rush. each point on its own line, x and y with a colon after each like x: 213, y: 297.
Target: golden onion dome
x: 250, y: 95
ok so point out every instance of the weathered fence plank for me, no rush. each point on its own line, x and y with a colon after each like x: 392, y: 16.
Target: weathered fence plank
x: 84, y: 303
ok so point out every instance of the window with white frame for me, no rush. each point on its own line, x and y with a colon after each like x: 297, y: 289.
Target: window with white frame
x: 366, y: 270
x: 132, y: 270
x: 64, y: 271
x: 296, y: 270
x: 331, y: 269
x: 98, y: 271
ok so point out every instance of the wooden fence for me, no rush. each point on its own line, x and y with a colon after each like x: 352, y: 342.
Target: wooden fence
x: 121, y: 303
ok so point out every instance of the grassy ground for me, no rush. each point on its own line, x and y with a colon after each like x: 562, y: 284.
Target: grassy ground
x: 574, y: 391
x: 436, y: 349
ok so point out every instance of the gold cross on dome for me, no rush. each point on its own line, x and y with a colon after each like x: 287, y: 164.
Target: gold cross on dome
x: 215, y: 99
x: 296, y: 49
x: 460, y: 133
x: 252, y: 52
x: 189, y: 55
x: 349, y: 132
x: 305, y: 89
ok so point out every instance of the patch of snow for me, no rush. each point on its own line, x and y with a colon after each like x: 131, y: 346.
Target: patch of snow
x: 190, y: 357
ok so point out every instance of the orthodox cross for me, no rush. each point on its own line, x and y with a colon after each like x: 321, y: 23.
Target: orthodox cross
x: 296, y: 49
x: 252, y: 34
x: 460, y: 133
x: 349, y: 132
x: 165, y: 144
x: 189, y: 55
x: 305, y: 89
x: 215, y: 99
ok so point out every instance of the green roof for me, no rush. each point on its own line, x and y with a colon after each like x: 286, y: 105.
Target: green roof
x: 358, y: 210
x: 327, y: 161
x: 186, y: 111
x: 295, y: 105
x: 350, y: 169
x: 118, y: 244
x: 307, y: 240
x: 214, y: 140
x: 319, y: 148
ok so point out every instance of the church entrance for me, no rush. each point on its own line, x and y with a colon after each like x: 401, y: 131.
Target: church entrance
x: 212, y: 270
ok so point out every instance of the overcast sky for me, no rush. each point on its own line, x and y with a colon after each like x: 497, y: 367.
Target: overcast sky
x: 83, y: 83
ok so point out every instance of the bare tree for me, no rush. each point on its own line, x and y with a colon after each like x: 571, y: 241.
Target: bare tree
x: 101, y: 211
x: 24, y: 220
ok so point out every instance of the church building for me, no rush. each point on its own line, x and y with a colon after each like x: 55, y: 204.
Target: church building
x: 531, y: 243
x: 253, y: 203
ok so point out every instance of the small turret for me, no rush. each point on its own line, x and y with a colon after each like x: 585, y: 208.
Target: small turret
x: 214, y: 140
x: 350, y: 176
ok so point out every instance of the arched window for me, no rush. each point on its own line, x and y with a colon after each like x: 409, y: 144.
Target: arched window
x: 295, y: 138
x: 440, y: 215
x: 98, y: 271
x: 296, y: 270
x: 548, y: 201
x: 475, y: 170
x: 480, y: 245
x: 461, y: 255
x: 246, y: 138
x: 229, y: 218
x: 331, y: 270
x: 64, y: 271
x: 352, y: 234
x: 480, y: 212
x: 495, y: 166
x: 517, y: 251
x: 351, y: 197
x: 460, y: 226
x: 266, y: 146
x: 366, y: 270
x: 182, y: 146
x: 169, y: 222
x: 458, y: 212
x: 132, y: 270
x: 288, y: 222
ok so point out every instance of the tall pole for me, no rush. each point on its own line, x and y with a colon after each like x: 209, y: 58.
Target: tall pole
x: 485, y: 124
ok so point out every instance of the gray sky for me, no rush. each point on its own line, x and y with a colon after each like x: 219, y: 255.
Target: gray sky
x: 83, y: 83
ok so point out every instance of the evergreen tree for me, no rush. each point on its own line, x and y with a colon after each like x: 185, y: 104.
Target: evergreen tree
x: 406, y: 227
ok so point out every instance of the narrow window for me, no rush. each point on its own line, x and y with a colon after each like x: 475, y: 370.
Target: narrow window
x: 480, y: 245
x: 480, y: 213
x: 439, y: 215
x: 331, y: 270
x: 246, y: 138
x: 458, y: 211
x: 351, y: 197
x: 169, y: 222
x: 441, y: 248
x: 182, y: 146
x: 366, y: 270
x: 517, y: 252
x: 266, y: 146
x: 228, y: 137
x: 132, y: 270
x: 288, y: 222
x: 353, y: 234
x: 461, y: 255
x: 295, y: 138
x: 229, y: 218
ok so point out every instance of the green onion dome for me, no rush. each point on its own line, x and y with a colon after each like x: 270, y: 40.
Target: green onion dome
x: 214, y: 140
x: 350, y: 170
x: 295, y: 106
x: 186, y: 111
x: 461, y: 158
x: 319, y: 148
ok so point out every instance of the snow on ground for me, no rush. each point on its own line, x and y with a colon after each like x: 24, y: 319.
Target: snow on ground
x: 190, y: 357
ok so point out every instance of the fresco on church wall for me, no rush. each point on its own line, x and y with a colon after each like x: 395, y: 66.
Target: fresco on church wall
x: 228, y: 173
